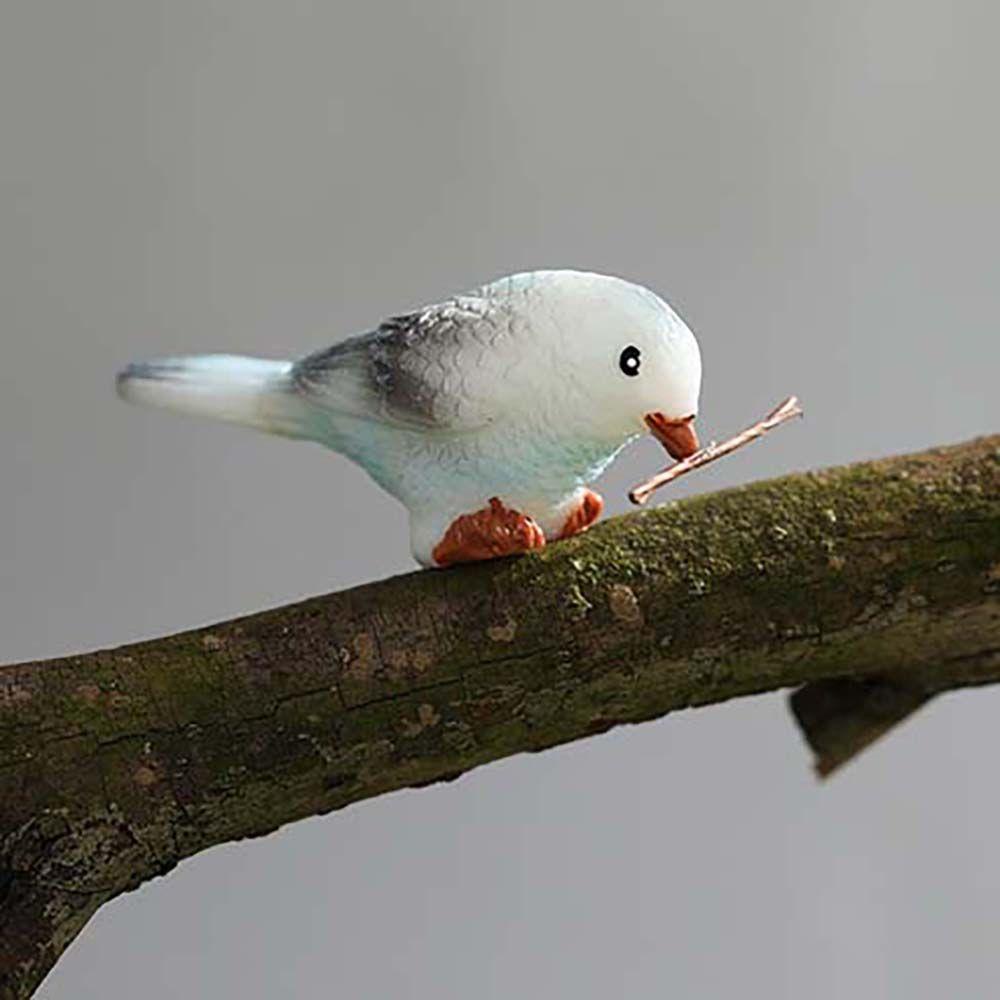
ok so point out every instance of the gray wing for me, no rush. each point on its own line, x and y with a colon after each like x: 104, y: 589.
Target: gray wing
x: 423, y: 371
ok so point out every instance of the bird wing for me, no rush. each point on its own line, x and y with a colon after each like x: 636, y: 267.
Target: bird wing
x: 435, y: 370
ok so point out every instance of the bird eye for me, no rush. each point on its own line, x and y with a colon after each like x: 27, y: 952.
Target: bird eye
x: 628, y: 360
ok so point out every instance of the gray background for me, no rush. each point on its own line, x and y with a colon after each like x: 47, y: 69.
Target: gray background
x: 814, y: 187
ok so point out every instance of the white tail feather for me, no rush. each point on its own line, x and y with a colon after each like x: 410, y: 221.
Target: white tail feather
x: 250, y: 391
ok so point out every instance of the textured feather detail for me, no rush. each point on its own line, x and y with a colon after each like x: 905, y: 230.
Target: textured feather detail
x: 413, y: 371
x: 252, y: 392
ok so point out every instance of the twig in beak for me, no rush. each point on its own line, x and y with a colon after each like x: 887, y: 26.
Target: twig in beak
x: 788, y: 409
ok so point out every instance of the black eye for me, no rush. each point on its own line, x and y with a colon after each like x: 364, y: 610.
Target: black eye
x: 628, y: 360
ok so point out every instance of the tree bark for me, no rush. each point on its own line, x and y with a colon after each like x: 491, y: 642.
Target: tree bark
x: 873, y: 585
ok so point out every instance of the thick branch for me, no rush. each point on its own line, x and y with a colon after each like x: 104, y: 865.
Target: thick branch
x: 116, y: 765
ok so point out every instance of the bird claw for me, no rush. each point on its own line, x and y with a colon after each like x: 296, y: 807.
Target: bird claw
x: 489, y: 533
x: 583, y: 515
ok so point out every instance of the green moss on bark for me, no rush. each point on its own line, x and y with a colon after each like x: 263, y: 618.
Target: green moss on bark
x: 116, y: 765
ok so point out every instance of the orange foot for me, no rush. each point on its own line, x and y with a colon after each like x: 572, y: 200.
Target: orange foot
x: 494, y: 531
x: 586, y: 512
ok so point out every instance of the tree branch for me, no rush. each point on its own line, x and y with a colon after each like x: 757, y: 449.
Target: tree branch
x: 116, y: 765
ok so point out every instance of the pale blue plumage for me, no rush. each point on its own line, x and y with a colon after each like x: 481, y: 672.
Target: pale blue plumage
x: 517, y: 390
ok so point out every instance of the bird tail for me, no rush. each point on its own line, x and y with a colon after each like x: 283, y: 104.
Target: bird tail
x: 252, y: 392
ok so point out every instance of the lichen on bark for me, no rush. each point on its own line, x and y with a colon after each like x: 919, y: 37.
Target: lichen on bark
x: 116, y: 765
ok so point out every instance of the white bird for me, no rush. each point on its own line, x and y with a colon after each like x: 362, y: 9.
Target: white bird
x: 487, y: 415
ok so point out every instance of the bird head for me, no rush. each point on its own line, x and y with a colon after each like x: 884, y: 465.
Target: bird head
x: 635, y: 364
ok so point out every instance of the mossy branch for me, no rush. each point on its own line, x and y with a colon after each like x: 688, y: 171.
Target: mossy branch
x: 116, y: 765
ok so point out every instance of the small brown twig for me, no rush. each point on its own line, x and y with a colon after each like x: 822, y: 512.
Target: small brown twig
x: 788, y: 409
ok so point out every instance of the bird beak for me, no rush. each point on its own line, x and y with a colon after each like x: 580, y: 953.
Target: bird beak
x: 676, y: 435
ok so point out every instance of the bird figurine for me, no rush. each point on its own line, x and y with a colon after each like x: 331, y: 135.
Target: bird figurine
x: 487, y: 415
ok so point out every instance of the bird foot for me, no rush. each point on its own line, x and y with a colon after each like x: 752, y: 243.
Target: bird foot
x: 583, y: 515
x: 488, y: 534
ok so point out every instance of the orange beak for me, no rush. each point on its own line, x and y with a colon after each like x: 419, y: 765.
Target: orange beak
x: 677, y: 436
